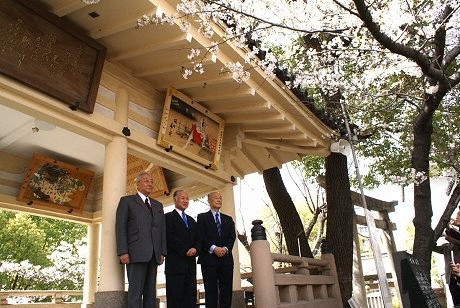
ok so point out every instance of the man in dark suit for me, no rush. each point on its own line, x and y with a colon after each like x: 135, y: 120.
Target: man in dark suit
x: 180, y: 264
x: 217, y: 238
x: 141, y: 241
x: 451, y: 252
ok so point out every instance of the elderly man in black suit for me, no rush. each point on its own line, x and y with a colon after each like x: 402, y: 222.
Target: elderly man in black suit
x: 141, y: 241
x: 180, y: 264
x: 217, y: 232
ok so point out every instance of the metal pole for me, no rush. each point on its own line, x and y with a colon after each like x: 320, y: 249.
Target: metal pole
x: 383, y: 282
x: 298, y: 242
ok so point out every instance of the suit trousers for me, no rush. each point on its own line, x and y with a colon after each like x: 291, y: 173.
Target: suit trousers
x: 142, y: 284
x: 454, y: 289
x: 181, y: 290
x: 218, y: 285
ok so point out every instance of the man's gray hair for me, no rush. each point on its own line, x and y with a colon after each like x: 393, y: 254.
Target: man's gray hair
x: 214, y: 192
x: 141, y: 175
x: 177, y: 192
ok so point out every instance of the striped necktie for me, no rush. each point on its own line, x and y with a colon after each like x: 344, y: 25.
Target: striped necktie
x: 218, y: 223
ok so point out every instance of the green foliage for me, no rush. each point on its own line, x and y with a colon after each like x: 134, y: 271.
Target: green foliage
x: 21, y: 240
x: 40, y: 253
x: 311, y: 167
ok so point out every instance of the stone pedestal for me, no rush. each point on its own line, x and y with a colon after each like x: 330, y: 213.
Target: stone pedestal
x: 111, y: 299
x: 238, y: 299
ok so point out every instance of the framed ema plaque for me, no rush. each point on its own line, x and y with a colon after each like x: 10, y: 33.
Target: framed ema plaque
x: 191, y: 130
x: 56, y: 184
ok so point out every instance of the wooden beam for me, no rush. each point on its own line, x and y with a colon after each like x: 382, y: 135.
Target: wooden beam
x: 373, y: 203
x: 284, y: 146
x: 379, y: 223
x: 174, y: 41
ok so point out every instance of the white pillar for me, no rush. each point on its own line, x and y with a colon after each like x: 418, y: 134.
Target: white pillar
x: 114, y: 186
x: 228, y: 207
x: 91, y: 271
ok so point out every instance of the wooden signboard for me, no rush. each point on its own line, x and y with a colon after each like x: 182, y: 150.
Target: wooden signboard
x: 191, y: 130
x: 44, y: 52
x: 415, y: 287
x: 56, y: 184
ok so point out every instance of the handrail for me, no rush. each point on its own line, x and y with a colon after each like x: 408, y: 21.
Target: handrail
x: 56, y: 295
x: 305, y: 282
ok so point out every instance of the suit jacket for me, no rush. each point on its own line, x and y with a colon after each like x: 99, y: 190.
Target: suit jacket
x: 210, y: 236
x: 446, y: 249
x: 179, y: 240
x: 140, y: 233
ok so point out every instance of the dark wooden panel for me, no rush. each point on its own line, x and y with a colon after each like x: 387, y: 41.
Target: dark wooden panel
x: 48, y: 54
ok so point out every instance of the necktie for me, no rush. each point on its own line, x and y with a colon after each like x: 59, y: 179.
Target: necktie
x: 218, y: 223
x: 148, y: 204
x: 184, y: 218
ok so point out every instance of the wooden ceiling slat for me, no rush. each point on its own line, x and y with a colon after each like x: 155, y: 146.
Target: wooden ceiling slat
x: 231, y: 93
x: 253, y: 118
x: 280, y: 134
x: 154, y: 45
x: 284, y: 146
x: 261, y: 126
x: 239, y: 107
x: 62, y: 8
x: 171, y: 66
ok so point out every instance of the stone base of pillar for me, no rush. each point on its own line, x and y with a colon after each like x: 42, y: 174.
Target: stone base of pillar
x: 87, y: 305
x: 238, y: 299
x: 111, y: 299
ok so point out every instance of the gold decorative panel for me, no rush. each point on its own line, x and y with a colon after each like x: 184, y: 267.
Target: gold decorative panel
x: 136, y: 166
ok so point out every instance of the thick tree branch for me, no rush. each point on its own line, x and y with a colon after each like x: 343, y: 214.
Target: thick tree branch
x: 422, y: 61
x: 450, y: 56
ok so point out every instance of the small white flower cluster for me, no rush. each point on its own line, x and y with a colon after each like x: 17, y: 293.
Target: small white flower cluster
x: 206, y: 30
x: 269, y: 65
x: 198, y: 67
x: 193, y: 53
x: 418, y: 177
x: 186, y: 73
x: 238, y: 72
x: 432, y: 89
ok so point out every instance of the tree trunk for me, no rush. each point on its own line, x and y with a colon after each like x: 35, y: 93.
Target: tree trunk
x: 289, y: 217
x: 424, y: 234
x: 320, y: 235
x: 340, y: 221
